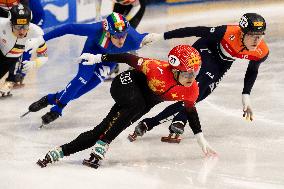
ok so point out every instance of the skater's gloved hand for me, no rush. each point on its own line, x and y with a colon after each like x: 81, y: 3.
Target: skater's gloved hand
x: 104, y: 71
x: 33, y: 44
x: 248, y: 114
x: 206, y: 148
x: 152, y: 38
x: 28, y: 65
x: 90, y: 59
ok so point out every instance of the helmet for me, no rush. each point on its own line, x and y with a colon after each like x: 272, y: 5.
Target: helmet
x: 185, y: 58
x: 124, y: 2
x: 252, y: 22
x: 116, y: 24
x: 20, y: 15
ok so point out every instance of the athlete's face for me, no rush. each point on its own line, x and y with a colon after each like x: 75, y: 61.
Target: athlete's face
x: 20, y: 31
x: 118, y: 41
x: 186, y: 79
x: 251, y: 41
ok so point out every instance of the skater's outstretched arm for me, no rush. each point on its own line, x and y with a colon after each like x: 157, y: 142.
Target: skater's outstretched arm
x: 75, y: 29
x: 130, y: 59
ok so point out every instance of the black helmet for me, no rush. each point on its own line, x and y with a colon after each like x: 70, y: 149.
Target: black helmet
x: 252, y: 22
x: 20, y: 15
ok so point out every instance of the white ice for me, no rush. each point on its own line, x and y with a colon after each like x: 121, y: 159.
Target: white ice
x: 250, y: 153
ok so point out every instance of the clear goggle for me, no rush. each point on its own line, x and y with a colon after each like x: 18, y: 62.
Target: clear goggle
x: 19, y: 27
x: 119, y: 35
x: 190, y: 74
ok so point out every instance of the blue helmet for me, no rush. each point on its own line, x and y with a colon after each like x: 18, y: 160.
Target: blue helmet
x: 116, y: 24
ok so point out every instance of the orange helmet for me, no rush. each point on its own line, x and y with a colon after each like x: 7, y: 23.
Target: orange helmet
x: 185, y: 58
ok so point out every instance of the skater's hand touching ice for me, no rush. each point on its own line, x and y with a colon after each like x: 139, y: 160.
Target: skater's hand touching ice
x: 206, y: 148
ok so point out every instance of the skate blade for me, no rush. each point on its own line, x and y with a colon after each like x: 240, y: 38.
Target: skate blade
x: 6, y: 96
x: 91, y: 164
x: 170, y: 140
x: 132, y: 137
x: 25, y: 114
x: 18, y: 86
x: 41, y: 163
x: 41, y: 126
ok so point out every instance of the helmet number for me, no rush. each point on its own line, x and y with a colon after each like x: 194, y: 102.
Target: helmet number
x: 244, y: 22
x: 173, y: 60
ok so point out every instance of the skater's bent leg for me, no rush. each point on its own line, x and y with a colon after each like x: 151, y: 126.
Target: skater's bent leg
x: 134, y: 98
x: 167, y: 112
x: 83, y: 76
x: 88, y: 139
x: 93, y: 83
x: 181, y: 117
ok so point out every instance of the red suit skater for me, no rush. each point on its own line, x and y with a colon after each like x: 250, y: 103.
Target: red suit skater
x: 135, y: 92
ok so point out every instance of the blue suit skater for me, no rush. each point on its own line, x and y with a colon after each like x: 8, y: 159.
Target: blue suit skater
x: 112, y: 35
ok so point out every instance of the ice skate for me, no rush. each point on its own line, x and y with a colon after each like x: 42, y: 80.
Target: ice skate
x: 49, y: 117
x: 51, y: 157
x: 19, y: 78
x: 5, y: 89
x: 172, y: 138
x: 18, y: 85
x: 97, y: 154
x: 36, y: 106
x: 132, y: 137
x: 93, y: 161
x: 140, y: 130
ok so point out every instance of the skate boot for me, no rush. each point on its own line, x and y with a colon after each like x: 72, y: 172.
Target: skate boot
x: 97, y: 154
x: 176, y: 129
x: 19, y: 78
x: 140, y: 130
x: 5, y: 89
x: 51, y: 157
x: 38, y: 105
x: 49, y: 117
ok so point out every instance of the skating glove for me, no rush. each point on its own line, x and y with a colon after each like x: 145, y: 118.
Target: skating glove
x: 104, y: 71
x: 35, y: 63
x: 90, y: 59
x: 28, y: 65
x: 206, y: 148
x: 248, y: 114
x: 152, y: 38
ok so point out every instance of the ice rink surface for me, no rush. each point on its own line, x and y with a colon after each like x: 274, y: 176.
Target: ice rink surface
x: 250, y: 153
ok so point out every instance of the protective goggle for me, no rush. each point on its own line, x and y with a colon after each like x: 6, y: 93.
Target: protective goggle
x: 189, y: 75
x: 19, y: 27
x: 255, y: 33
x: 119, y: 35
